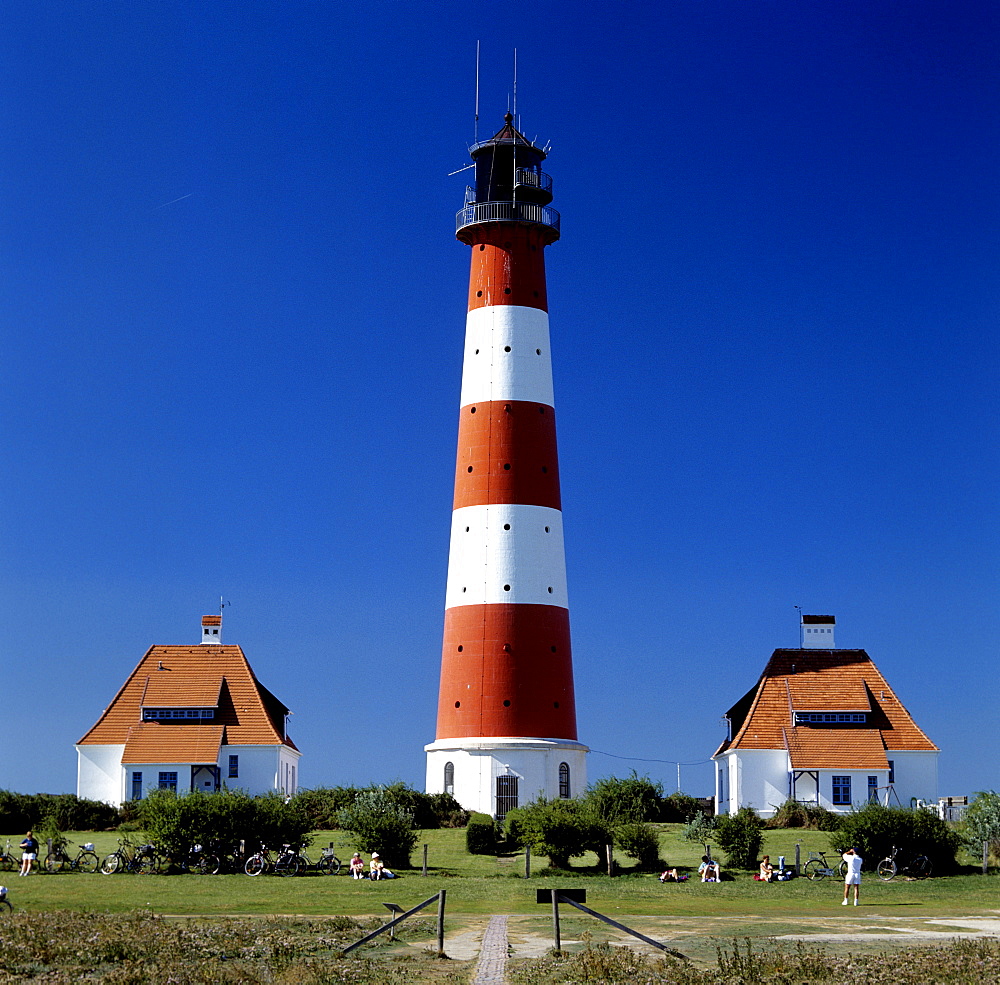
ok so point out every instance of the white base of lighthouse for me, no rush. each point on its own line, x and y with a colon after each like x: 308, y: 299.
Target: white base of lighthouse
x: 495, y: 775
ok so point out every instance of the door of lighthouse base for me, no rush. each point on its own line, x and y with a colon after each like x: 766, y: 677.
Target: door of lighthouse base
x: 506, y: 795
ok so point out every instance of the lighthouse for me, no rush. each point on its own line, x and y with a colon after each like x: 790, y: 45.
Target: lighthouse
x: 506, y: 720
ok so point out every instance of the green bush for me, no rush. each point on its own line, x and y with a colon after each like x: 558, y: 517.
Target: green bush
x: 795, y: 814
x: 221, y: 819
x: 324, y: 804
x: 64, y: 811
x: 429, y: 810
x: 739, y: 836
x: 642, y: 843
x: 981, y: 822
x: 614, y: 801
x: 700, y: 828
x: 679, y: 808
x: 559, y: 829
x: 873, y: 830
x: 481, y: 835
x: 380, y: 824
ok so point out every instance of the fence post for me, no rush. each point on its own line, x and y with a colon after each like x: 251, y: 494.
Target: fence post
x: 441, y: 953
x: 555, y: 922
x: 798, y: 850
x: 425, y: 861
x: 611, y: 861
x: 527, y: 863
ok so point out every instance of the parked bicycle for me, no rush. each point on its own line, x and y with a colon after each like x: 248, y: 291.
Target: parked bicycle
x: 58, y: 859
x: 7, y: 860
x: 5, y: 904
x: 286, y: 863
x: 328, y: 864
x: 131, y: 858
x: 819, y: 868
x: 919, y: 867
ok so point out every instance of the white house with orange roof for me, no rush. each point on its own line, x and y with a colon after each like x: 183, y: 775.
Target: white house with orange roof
x: 189, y: 718
x: 822, y: 726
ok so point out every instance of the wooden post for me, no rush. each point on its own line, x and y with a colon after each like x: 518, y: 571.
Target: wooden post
x: 555, y: 922
x: 441, y: 953
x: 798, y: 850
x: 425, y: 862
x: 611, y: 862
x: 527, y: 863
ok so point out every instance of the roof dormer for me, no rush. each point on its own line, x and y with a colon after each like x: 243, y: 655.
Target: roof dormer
x: 211, y: 629
x: 817, y: 632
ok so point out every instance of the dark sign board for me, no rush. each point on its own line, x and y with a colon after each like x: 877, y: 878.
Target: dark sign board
x: 545, y: 895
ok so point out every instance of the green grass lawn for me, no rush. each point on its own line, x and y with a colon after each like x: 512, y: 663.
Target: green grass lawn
x: 483, y: 885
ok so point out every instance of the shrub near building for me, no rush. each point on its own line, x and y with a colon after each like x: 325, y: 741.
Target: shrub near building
x: 873, y: 830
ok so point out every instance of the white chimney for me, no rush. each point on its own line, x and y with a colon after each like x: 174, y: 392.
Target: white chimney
x: 211, y: 629
x: 817, y: 632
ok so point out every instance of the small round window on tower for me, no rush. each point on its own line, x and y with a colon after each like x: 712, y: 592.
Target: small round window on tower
x: 506, y: 704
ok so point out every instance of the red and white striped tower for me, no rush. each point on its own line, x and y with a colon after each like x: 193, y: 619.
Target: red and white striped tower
x: 506, y: 724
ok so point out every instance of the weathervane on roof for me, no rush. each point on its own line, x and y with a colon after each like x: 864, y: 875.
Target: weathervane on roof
x: 799, y: 608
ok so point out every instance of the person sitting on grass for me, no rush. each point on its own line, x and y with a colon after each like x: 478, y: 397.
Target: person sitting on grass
x: 671, y: 875
x: 375, y: 867
x: 766, y: 869
x: 357, y: 866
x: 709, y: 869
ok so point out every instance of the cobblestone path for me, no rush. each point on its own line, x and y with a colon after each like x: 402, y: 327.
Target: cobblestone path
x: 493, y: 954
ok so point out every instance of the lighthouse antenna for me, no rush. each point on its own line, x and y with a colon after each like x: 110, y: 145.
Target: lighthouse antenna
x: 476, y: 124
x: 517, y: 122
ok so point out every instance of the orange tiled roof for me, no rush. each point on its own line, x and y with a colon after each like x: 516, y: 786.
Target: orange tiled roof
x: 167, y: 690
x: 250, y: 714
x: 152, y: 742
x: 211, y: 620
x: 823, y: 680
x: 824, y: 749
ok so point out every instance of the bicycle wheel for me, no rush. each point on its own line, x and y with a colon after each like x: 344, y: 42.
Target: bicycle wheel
x: 921, y: 867
x: 54, y: 861
x: 6, y: 906
x: 209, y: 865
x: 7, y: 862
x: 814, y: 869
x: 886, y: 869
x: 88, y: 862
x: 113, y: 863
x: 843, y: 870
x: 329, y: 865
x: 255, y: 865
x: 148, y: 863
x: 286, y: 865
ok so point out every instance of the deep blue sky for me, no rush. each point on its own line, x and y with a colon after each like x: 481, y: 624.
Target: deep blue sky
x: 232, y: 311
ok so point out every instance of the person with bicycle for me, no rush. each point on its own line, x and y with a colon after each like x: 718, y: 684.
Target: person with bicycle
x: 29, y: 852
x: 853, y: 875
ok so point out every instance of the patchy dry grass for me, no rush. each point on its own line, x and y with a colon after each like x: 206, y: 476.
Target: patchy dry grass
x: 122, y: 949
x: 742, y: 963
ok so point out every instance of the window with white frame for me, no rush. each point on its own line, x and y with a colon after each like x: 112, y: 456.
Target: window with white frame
x: 841, y: 790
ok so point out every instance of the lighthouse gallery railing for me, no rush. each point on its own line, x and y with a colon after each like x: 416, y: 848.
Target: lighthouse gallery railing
x: 506, y: 212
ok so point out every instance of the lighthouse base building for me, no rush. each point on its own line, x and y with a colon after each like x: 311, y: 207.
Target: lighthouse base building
x: 493, y: 776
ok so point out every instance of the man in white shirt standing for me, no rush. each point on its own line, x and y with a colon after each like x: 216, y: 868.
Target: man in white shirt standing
x: 853, y: 877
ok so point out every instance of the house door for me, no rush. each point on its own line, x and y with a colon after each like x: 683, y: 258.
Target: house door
x: 205, y: 779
